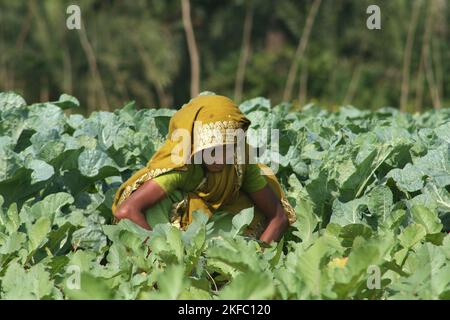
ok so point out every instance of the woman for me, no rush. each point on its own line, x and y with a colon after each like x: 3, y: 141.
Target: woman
x: 181, y: 185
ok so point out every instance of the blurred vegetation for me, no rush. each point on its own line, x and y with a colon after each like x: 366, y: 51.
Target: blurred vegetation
x: 137, y: 50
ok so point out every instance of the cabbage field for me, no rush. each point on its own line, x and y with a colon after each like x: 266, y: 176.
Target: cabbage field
x: 371, y: 192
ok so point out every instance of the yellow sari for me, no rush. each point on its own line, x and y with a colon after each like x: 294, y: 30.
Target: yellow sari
x: 207, y: 120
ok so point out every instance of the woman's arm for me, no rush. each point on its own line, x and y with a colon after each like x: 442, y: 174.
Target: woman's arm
x: 266, y: 201
x: 141, y: 199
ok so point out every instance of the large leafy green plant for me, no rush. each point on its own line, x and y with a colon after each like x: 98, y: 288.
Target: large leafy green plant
x: 370, y: 190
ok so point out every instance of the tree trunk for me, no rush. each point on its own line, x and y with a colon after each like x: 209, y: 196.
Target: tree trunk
x: 434, y: 93
x: 419, y: 86
x: 303, y: 42
x: 91, y: 102
x: 93, y: 67
x: 192, y: 47
x: 407, y: 55
x: 67, y: 62
x: 439, y: 32
x: 437, y: 58
x: 303, y: 86
x: 349, y: 96
x: 245, y: 52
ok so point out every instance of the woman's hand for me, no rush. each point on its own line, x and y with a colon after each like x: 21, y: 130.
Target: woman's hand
x: 268, y: 203
x: 141, y: 199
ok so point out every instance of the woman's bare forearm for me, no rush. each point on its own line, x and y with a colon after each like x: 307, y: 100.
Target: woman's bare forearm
x: 140, y: 200
x: 276, y: 227
x: 270, y: 205
x: 139, y: 218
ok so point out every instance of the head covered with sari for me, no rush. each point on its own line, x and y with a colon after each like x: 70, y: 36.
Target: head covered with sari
x: 206, y: 121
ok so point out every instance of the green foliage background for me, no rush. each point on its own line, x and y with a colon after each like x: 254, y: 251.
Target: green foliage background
x: 371, y: 192
x: 141, y: 52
